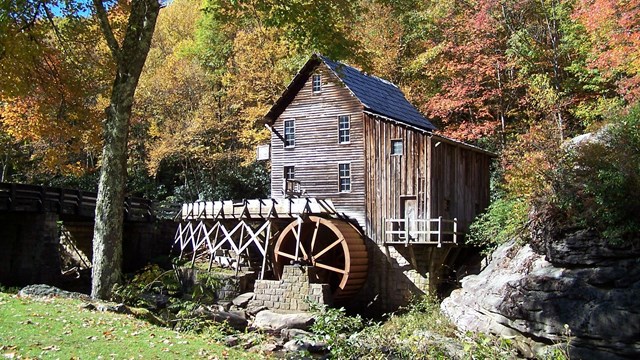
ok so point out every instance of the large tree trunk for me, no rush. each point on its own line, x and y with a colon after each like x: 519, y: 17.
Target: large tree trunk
x: 130, y: 58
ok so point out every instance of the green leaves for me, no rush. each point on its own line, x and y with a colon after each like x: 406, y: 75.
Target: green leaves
x: 504, y: 220
x: 595, y: 184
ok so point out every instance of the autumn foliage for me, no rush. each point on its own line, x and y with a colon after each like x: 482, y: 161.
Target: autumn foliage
x: 518, y: 77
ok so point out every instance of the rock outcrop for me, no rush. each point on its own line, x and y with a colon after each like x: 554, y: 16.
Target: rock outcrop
x: 582, y: 291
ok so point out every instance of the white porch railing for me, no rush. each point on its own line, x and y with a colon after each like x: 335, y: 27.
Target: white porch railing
x: 421, y: 231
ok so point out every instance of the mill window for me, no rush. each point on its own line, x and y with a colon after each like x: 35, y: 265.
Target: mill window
x: 289, y: 133
x: 396, y: 147
x: 344, y: 173
x: 344, y: 129
x: 316, y: 83
x: 289, y: 172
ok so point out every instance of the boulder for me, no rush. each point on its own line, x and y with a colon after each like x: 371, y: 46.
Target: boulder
x: 305, y: 344
x: 231, y: 341
x: 255, y: 309
x: 533, y: 297
x: 269, y: 320
x: 294, y: 346
x: 112, y: 307
x: 43, y: 291
x: 267, y: 348
x: 243, y: 299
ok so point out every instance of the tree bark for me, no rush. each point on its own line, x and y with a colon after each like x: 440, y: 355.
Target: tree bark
x: 109, y: 218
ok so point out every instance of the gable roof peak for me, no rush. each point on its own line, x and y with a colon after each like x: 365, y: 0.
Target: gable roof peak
x: 339, y: 65
x: 378, y: 96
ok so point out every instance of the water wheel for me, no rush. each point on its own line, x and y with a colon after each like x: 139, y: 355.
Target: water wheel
x: 334, y: 247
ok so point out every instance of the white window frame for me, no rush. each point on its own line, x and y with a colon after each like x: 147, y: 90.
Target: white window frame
x: 347, y: 177
x: 316, y: 83
x: 344, y: 138
x: 395, y: 141
x: 289, y: 143
x: 286, y: 173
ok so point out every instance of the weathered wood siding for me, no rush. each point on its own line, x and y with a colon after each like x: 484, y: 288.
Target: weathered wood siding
x: 392, y: 177
x: 459, y: 181
x: 446, y: 178
x: 317, y: 152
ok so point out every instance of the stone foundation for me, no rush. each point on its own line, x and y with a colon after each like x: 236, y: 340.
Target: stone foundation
x: 398, y: 273
x: 294, y: 292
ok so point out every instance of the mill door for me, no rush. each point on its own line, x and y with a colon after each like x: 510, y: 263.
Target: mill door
x: 408, y: 211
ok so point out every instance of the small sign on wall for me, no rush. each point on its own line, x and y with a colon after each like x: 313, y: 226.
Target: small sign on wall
x: 263, y: 152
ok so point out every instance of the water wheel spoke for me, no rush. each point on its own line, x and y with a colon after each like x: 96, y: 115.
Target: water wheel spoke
x: 333, y: 244
x: 330, y: 268
x: 284, y: 254
x: 304, y: 253
x: 315, y: 235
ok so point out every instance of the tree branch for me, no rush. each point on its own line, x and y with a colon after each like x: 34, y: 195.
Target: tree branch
x: 106, y: 30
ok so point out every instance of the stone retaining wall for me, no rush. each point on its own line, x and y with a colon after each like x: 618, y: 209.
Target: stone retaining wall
x: 293, y: 292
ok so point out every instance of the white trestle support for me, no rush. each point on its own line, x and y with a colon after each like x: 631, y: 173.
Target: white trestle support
x: 243, y: 228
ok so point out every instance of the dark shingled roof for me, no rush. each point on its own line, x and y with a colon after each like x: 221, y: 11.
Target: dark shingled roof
x: 378, y: 96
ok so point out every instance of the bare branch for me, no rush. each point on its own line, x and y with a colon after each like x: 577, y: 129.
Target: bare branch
x: 107, y: 30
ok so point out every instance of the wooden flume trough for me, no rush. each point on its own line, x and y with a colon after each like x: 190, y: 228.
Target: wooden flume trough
x: 277, y: 232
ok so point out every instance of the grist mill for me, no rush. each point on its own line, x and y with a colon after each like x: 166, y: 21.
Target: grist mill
x: 369, y: 205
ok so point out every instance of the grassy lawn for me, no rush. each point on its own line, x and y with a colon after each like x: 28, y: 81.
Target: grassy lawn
x: 61, y: 328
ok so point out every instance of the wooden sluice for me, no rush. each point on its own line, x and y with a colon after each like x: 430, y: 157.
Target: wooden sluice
x: 244, y: 229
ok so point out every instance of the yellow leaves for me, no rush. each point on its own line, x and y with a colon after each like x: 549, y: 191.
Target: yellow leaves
x: 196, y: 118
x: 380, y: 36
x: 176, y: 26
x: 49, y: 106
x: 55, y: 136
x: 9, y: 351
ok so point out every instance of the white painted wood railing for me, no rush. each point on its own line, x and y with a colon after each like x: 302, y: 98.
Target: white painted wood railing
x: 421, y: 231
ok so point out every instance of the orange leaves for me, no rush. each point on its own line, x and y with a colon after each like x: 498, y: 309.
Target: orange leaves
x: 59, y: 127
x: 529, y: 160
x: 613, y: 28
x: 462, y: 67
x: 50, y: 104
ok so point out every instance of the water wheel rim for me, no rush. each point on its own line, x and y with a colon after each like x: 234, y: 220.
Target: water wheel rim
x: 315, y: 259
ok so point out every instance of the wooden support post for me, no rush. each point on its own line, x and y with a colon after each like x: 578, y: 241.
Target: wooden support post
x: 264, y: 252
x: 455, y: 230
x: 406, y: 232
x: 297, y: 236
x: 412, y: 258
x: 239, y: 251
x: 127, y: 208
x: 439, y: 231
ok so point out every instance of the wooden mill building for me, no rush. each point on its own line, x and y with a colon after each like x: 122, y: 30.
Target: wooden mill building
x: 341, y: 134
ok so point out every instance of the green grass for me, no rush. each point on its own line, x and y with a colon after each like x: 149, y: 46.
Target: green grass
x: 58, y: 328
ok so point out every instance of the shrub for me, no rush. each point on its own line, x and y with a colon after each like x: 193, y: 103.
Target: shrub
x: 596, y: 185
x: 336, y: 328
x: 505, y: 219
x: 151, y: 278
